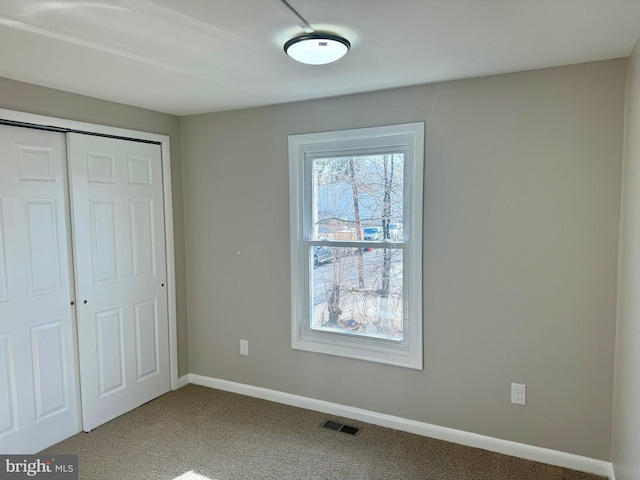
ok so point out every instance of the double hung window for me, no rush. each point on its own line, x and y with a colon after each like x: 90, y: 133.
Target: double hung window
x: 356, y: 243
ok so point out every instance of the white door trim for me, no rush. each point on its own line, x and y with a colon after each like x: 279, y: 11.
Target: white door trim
x: 46, y: 121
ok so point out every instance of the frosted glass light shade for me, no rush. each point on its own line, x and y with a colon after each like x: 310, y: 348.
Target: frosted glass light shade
x: 317, y: 48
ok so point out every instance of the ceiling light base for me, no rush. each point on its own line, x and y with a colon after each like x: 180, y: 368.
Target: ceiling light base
x: 317, y: 48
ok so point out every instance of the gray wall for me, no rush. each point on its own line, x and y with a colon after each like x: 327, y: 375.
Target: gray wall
x: 45, y: 101
x: 521, y: 222
x: 626, y: 418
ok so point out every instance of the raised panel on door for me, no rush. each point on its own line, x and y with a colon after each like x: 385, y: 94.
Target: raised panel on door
x: 38, y: 386
x: 3, y: 261
x: 110, y: 343
x: 50, y: 378
x: 8, y: 407
x: 142, y: 239
x: 41, y: 231
x: 119, y: 246
x: 147, y: 348
x: 104, y: 254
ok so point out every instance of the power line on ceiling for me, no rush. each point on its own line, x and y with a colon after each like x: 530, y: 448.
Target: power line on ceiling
x: 301, y: 21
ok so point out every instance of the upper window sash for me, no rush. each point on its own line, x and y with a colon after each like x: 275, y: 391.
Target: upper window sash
x: 308, y: 219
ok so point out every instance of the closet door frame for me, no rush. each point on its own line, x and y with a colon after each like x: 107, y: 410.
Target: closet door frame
x: 12, y: 117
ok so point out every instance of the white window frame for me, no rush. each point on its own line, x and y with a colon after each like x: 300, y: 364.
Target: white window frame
x: 408, y: 139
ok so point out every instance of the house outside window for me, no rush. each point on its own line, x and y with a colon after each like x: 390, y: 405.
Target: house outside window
x: 356, y: 243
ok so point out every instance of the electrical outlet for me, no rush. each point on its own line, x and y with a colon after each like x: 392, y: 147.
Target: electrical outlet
x: 244, y: 347
x: 518, y: 394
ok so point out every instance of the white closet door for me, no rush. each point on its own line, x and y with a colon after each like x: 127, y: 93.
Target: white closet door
x: 119, y: 248
x: 38, y: 387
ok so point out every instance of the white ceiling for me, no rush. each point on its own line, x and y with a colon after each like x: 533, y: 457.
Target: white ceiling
x: 194, y: 56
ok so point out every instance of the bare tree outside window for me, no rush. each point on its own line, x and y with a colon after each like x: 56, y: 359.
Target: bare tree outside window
x: 359, y: 200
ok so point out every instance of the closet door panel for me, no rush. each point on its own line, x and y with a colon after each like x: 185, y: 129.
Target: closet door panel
x: 38, y: 387
x: 119, y: 246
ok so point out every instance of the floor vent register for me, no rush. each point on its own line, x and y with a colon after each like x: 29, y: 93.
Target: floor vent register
x: 340, y: 427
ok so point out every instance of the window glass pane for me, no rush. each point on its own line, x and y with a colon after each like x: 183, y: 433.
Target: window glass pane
x: 357, y: 291
x: 358, y: 198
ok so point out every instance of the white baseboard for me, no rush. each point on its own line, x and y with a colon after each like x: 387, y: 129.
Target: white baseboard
x: 515, y: 449
x: 184, y: 380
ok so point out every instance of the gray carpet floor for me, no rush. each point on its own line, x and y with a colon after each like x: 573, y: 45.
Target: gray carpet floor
x: 197, y: 433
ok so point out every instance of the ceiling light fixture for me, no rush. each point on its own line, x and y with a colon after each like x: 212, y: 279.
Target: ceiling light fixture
x: 317, y: 48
